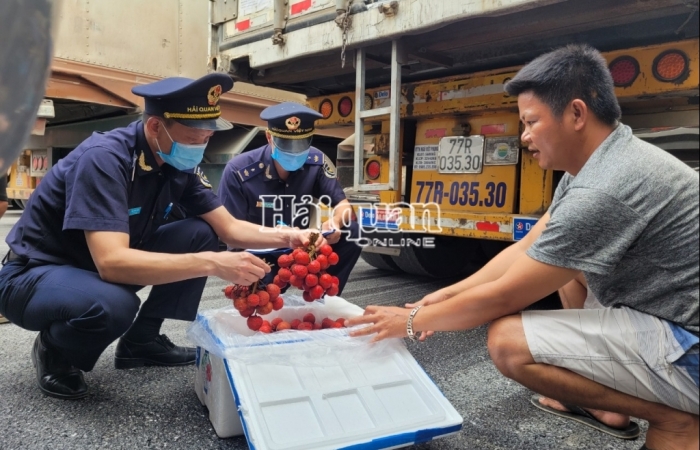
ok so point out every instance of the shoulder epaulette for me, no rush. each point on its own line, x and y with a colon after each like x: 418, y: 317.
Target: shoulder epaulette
x: 250, y: 171
x: 315, y: 157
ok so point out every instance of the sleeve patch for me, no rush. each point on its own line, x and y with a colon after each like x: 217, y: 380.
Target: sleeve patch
x: 328, y: 167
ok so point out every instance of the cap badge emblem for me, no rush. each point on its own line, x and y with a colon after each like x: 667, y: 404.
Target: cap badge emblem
x: 214, y: 94
x: 292, y: 123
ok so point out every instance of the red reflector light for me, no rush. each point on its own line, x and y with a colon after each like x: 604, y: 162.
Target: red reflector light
x: 345, y: 106
x: 671, y: 66
x: 624, y: 70
x: 373, y: 169
x: 326, y: 108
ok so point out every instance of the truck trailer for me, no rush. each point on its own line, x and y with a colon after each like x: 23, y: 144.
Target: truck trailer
x: 435, y: 154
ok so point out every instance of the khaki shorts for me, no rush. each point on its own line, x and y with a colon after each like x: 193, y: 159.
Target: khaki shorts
x: 621, y: 348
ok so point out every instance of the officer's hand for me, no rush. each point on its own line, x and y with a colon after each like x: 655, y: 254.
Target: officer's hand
x: 430, y: 299
x: 240, y: 267
x: 334, y: 237
x: 302, y: 238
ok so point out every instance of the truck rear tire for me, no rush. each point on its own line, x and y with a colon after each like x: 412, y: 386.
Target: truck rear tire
x: 451, y: 257
x: 380, y: 261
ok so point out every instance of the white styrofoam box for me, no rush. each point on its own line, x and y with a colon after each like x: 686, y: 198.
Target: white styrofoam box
x: 382, y: 400
x: 214, y: 391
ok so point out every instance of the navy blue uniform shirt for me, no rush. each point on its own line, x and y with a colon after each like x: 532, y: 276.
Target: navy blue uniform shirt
x: 110, y: 182
x: 252, y: 174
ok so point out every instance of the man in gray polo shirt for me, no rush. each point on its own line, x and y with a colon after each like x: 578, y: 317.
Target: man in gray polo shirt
x: 624, y: 222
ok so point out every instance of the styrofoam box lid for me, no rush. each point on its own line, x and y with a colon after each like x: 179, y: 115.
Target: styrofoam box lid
x: 387, y: 402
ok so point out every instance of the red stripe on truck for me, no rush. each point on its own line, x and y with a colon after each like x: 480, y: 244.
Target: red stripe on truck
x: 301, y: 7
x: 487, y: 226
x: 243, y: 25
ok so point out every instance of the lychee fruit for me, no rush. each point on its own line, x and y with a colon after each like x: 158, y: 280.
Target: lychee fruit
x: 263, y: 310
x: 302, y: 258
x: 317, y: 292
x: 323, y: 261
x: 255, y: 322
x: 299, y: 271
x: 248, y: 312
x: 311, y: 280
x: 309, y: 318
x: 284, y: 274
x: 333, y: 259
x: 276, y: 321
x: 325, y: 281
x: 253, y: 300
x: 241, y: 303
x: 264, y: 298
x: 285, y: 260
x: 314, y: 267
x: 333, y: 290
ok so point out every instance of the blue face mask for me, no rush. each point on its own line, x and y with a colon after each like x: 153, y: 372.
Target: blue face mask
x: 182, y: 156
x: 289, y: 161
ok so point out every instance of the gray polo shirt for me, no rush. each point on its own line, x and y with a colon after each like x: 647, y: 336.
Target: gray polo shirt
x: 629, y: 222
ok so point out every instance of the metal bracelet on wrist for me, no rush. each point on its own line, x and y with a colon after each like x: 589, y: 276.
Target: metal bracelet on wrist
x: 409, y: 323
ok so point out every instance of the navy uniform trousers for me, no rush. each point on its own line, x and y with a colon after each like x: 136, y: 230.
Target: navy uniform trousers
x: 81, y: 314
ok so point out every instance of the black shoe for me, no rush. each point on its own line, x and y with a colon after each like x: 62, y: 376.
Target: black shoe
x: 56, y: 377
x: 158, y: 352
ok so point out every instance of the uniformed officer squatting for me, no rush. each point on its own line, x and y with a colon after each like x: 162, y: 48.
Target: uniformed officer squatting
x: 271, y: 182
x: 102, y: 225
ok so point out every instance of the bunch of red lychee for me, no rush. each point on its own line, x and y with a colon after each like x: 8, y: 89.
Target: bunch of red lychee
x: 307, y: 323
x: 306, y: 269
x: 254, y: 301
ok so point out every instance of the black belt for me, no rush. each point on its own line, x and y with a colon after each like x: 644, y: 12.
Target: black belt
x: 12, y: 256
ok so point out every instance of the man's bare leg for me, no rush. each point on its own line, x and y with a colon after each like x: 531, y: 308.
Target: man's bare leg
x: 669, y: 429
x: 573, y: 296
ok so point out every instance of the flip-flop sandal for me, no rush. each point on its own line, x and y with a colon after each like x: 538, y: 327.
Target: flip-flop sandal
x: 580, y: 415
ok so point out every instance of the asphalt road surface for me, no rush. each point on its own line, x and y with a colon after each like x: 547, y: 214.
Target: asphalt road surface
x: 158, y: 408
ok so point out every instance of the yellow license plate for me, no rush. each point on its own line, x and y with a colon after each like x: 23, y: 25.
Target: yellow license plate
x: 494, y: 190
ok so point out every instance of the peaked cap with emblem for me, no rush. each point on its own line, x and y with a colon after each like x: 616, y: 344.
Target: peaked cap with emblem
x: 290, y: 120
x: 193, y: 103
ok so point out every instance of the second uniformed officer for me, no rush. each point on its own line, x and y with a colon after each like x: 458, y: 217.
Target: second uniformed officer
x: 270, y: 185
x: 100, y: 226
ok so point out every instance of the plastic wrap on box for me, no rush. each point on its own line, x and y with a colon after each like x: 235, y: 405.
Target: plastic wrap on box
x: 224, y: 333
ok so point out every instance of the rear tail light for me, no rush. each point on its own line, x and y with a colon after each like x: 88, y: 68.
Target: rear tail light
x: 326, y: 108
x: 345, y: 106
x: 373, y: 170
x: 624, y: 70
x: 369, y: 102
x: 671, y: 66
